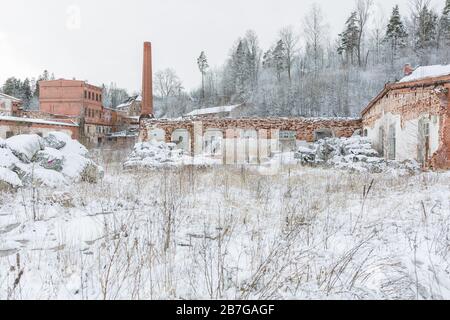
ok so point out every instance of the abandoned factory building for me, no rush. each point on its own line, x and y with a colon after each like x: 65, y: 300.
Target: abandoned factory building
x: 410, y: 119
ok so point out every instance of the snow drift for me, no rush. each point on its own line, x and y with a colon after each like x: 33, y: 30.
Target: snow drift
x: 52, y: 161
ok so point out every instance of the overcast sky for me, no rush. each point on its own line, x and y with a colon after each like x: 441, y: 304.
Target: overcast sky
x: 101, y: 41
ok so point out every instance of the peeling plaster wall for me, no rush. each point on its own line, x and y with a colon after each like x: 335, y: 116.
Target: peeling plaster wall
x: 407, y: 109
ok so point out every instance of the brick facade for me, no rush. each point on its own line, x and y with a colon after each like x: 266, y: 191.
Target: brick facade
x: 304, y: 128
x: 406, y: 106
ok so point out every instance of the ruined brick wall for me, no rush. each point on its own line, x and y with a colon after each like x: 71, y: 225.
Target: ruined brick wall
x: 16, y: 128
x: 442, y: 158
x: 305, y: 128
x: 409, y: 105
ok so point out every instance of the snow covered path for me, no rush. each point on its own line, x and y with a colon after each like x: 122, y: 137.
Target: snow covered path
x: 229, y: 233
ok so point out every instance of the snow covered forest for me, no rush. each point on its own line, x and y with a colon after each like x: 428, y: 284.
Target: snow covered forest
x: 308, y: 71
x: 311, y: 71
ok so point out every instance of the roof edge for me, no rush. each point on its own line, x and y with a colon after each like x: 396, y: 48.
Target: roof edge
x: 425, y: 82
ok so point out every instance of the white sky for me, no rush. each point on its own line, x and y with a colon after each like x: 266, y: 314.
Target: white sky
x: 105, y: 44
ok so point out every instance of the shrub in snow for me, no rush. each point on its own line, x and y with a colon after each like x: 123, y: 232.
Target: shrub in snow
x: 355, y: 154
x: 53, y: 161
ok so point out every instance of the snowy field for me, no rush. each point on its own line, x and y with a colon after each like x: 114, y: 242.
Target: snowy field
x: 230, y: 233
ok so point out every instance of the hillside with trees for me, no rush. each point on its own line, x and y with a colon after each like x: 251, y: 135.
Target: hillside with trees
x: 308, y: 71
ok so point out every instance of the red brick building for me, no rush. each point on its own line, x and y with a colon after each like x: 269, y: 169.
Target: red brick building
x: 82, y: 101
x: 410, y: 119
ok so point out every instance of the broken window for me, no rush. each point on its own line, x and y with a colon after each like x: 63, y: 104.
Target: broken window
x: 323, y: 134
x: 288, y: 135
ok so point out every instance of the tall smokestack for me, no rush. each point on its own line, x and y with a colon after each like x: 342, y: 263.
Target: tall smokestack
x: 147, y: 82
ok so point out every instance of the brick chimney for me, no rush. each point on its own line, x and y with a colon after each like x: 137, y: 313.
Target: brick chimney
x: 147, y: 83
x: 408, y: 70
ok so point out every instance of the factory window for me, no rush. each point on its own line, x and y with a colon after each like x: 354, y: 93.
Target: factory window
x: 9, y: 134
x: 89, y: 95
x: 96, y: 97
x: 85, y: 94
x: 288, y: 135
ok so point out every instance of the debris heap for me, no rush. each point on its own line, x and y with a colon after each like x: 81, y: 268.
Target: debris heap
x: 155, y: 154
x: 55, y: 160
x: 354, y: 154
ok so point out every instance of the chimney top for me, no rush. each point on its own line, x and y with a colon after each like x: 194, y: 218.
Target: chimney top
x: 408, y: 69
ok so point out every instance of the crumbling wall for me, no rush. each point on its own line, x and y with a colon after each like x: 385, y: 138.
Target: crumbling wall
x: 408, y: 111
x: 304, y: 128
x: 16, y: 128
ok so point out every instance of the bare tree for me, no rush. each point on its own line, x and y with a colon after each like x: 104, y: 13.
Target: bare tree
x: 167, y: 83
x: 290, y: 41
x: 363, y: 9
x: 314, y: 30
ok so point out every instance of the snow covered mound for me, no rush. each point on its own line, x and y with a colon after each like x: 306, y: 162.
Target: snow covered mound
x: 53, y: 161
x: 154, y: 154
x: 354, y: 154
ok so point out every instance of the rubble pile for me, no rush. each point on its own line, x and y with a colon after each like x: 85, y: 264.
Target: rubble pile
x: 354, y: 154
x: 155, y: 154
x: 53, y: 161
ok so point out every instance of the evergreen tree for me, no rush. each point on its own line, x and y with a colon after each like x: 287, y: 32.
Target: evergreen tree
x: 203, y: 66
x: 26, y: 93
x: 396, y: 34
x: 240, y: 62
x: 13, y: 87
x: 279, y: 58
x: 348, y: 40
x: 426, y: 30
x: 444, y: 26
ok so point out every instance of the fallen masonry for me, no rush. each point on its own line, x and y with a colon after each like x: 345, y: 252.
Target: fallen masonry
x: 154, y: 154
x: 355, y: 154
x: 55, y: 160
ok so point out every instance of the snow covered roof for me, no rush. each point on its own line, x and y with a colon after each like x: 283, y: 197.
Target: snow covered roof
x: 38, y: 121
x: 9, y: 97
x: 129, y: 101
x: 427, y: 72
x: 427, y: 75
x: 206, y: 111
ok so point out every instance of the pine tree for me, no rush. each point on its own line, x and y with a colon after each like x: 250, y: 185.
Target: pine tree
x: 348, y: 40
x: 444, y: 26
x: 26, y: 93
x: 279, y: 58
x: 203, y: 66
x: 241, y: 70
x: 426, y: 32
x: 396, y: 33
x: 13, y: 87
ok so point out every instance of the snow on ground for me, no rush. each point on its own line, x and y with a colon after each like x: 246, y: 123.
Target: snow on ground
x: 232, y: 233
